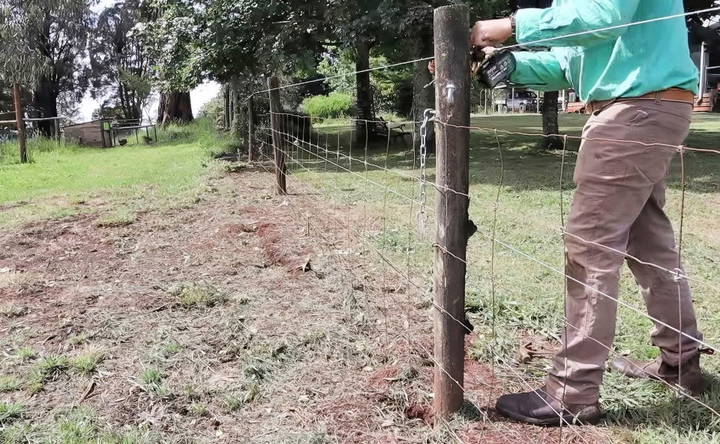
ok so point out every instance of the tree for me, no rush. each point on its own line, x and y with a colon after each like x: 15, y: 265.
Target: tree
x: 120, y: 62
x: 238, y: 44
x: 550, y: 110
x: 60, y: 36
x: 20, y: 63
x: 360, y: 25
x: 169, y: 33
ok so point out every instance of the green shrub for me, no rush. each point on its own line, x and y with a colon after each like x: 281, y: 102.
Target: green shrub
x: 328, y: 107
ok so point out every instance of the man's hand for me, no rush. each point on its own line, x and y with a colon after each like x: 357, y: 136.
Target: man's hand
x: 491, y: 32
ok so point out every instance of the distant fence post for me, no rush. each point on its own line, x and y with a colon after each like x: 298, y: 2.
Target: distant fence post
x: 277, y: 139
x: 56, y: 122
x: 252, y: 150
x: 20, y: 117
x: 452, y: 91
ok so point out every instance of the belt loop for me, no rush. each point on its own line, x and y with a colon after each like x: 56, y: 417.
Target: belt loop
x: 658, y: 101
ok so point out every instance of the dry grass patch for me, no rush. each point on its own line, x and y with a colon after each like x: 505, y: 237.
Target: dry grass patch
x: 13, y: 310
x: 199, y: 295
x: 15, y: 279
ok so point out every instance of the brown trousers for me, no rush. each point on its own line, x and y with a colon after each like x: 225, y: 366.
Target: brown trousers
x: 619, y: 204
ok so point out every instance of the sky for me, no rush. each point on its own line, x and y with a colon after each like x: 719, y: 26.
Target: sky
x: 198, y: 96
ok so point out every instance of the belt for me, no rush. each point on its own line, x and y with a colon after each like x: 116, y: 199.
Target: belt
x: 667, y: 95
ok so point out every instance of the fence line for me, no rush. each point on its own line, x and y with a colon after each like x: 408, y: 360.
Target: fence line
x: 288, y: 140
x: 410, y: 281
x: 675, y: 273
x: 323, y: 154
x: 511, y: 248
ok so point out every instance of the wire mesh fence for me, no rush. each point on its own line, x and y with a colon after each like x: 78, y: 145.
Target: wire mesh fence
x: 517, y: 281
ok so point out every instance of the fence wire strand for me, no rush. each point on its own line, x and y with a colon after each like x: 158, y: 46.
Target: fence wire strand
x: 496, y: 357
x: 308, y: 155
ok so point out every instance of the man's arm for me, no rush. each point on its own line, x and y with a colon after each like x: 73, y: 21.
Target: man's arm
x: 540, y: 70
x: 575, y: 17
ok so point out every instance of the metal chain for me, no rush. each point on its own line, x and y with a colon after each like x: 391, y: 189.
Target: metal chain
x: 428, y: 116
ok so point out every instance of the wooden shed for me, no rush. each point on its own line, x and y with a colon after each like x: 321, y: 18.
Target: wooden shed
x: 94, y: 133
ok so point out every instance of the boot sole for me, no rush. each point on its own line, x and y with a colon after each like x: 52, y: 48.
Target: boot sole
x: 554, y: 421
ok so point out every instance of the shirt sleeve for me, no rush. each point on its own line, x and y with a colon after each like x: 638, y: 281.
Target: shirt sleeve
x: 541, y: 71
x: 561, y: 22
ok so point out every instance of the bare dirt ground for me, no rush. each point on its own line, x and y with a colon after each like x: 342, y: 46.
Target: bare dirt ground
x: 305, y: 337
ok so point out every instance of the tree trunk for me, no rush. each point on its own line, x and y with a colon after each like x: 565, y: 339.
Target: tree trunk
x: 20, y: 116
x: 238, y: 112
x: 226, y: 107
x: 45, y: 101
x: 423, y: 95
x: 550, y: 117
x: 364, y: 90
x: 176, y: 108
x: 161, y: 107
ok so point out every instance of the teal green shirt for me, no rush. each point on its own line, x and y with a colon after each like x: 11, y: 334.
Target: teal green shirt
x: 624, y: 62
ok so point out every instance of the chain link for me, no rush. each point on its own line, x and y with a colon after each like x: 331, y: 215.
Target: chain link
x: 428, y: 116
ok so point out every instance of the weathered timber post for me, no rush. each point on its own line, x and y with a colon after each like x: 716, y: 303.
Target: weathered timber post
x: 452, y: 92
x: 277, y: 139
x: 252, y: 150
x: 57, y: 130
x: 20, y: 118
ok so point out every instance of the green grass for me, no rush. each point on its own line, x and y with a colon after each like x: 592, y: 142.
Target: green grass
x: 47, y: 369
x: 67, y: 180
x: 10, y: 412
x: 26, y: 354
x: 9, y: 384
x: 120, y: 183
x: 152, y: 381
x: 77, y: 425
x: 528, y: 296
x: 87, y: 362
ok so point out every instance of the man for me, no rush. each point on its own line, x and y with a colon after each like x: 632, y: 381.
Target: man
x: 638, y: 82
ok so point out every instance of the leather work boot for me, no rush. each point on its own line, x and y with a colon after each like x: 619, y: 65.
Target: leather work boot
x: 539, y: 408
x: 692, y: 379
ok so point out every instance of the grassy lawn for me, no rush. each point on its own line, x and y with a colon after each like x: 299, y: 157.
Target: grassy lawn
x: 66, y: 180
x: 528, y: 296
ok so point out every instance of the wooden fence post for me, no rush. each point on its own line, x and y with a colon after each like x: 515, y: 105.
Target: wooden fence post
x: 277, y: 139
x: 57, y: 131
x: 452, y: 91
x: 252, y: 150
x: 20, y: 118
